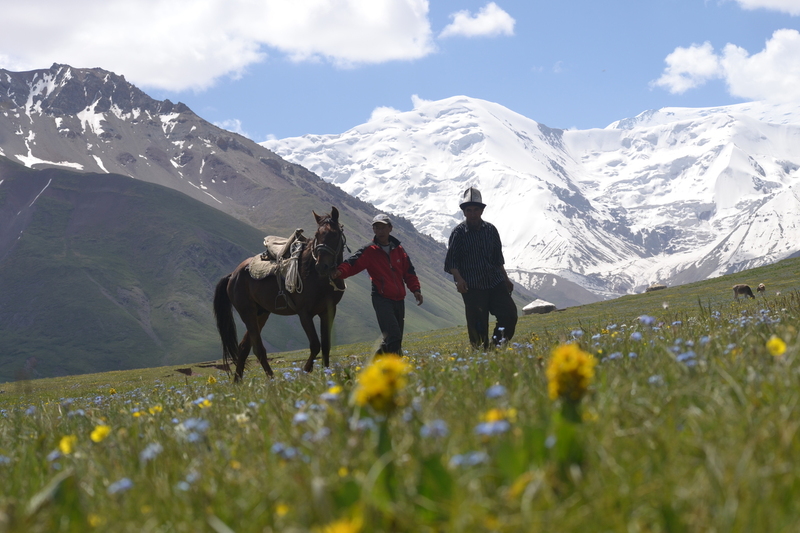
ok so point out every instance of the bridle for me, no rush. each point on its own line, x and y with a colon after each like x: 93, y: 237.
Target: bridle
x: 318, y: 247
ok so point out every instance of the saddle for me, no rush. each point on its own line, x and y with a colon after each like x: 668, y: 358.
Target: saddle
x: 279, y: 258
x: 280, y: 247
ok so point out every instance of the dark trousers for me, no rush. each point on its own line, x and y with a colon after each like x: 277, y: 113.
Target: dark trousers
x: 478, y: 304
x: 391, y: 318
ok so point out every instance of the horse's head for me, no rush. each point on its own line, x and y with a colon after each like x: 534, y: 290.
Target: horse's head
x: 328, y: 243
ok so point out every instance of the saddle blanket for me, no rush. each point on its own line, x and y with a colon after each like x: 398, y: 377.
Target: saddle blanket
x: 260, y: 268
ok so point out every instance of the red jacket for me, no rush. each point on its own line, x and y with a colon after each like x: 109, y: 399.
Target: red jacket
x: 388, y: 273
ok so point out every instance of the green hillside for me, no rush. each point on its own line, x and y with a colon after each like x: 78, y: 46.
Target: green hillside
x: 103, y: 272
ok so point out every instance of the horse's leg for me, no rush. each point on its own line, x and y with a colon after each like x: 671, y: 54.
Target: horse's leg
x: 253, y: 322
x: 244, y: 352
x: 325, y: 326
x: 307, y: 321
x: 262, y: 319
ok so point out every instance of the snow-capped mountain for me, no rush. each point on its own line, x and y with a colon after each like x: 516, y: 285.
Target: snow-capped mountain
x: 92, y: 120
x: 670, y: 196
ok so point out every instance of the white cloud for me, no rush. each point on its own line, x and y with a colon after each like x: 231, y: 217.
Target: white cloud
x: 688, y: 68
x: 176, y: 45
x: 418, y: 102
x: 232, y: 124
x: 772, y: 74
x: 491, y: 20
x: 787, y: 6
x: 380, y: 113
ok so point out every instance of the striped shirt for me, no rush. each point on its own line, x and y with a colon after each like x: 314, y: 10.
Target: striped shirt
x: 477, y: 254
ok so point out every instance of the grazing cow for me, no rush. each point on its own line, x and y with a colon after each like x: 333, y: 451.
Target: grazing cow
x: 761, y: 288
x: 742, y: 290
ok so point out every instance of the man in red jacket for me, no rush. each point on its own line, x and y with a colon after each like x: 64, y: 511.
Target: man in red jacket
x: 390, y: 271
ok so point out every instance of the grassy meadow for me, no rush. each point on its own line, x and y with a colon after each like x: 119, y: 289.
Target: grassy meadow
x: 672, y: 411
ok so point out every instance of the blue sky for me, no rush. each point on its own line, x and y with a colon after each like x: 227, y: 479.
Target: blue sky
x: 282, y: 68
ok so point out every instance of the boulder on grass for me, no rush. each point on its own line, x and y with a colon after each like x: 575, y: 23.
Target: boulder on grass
x: 538, y: 307
x: 655, y: 287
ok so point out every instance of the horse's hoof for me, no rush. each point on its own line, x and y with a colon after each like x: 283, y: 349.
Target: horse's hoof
x: 308, y: 367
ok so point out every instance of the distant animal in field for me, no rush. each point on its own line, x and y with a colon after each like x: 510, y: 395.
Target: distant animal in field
x: 761, y: 288
x: 742, y: 289
x: 655, y: 287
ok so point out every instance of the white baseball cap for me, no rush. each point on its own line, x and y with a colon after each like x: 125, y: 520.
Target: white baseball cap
x: 381, y: 219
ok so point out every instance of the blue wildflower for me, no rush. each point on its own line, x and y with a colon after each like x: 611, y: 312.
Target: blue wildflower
x: 434, y: 429
x: 495, y: 391
x: 150, y: 452
x: 496, y: 427
x: 469, y: 459
x: 120, y: 486
x: 647, y: 320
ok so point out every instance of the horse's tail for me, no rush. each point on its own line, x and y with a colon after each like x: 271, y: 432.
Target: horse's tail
x: 226, y: 326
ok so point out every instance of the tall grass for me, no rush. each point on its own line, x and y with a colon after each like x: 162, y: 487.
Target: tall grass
x: 689, y: 424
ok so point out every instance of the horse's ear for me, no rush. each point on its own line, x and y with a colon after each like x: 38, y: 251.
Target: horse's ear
x: 334, y: 214
x: 317, y: 217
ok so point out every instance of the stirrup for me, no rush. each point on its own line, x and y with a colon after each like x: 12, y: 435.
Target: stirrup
x: 280, y: 295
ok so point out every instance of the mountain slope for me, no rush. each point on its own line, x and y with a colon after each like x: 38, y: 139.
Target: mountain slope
x: 672, y: 196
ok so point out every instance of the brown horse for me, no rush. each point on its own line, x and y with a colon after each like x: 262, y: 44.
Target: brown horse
x: 256, y: 299
x: 742, y: 289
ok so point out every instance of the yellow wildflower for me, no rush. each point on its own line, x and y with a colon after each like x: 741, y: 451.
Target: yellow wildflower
x: 155, y: 409
x: 235, y: 465
x: 380, y: 382
x: 67, y: 444
x: 775, y: 346
x: 495, y: 415
x: 204, y: 403
x: 281, y: 509
x: 336, y: 389
x: 95, y: 520
x: 211, y: 380
x: 112, y: 390
x: 344, y: 525
x: 100, y: 433
x: 343, y: 471
x: 590, y: 415
x: 520, y: 484
x: 569, y: 372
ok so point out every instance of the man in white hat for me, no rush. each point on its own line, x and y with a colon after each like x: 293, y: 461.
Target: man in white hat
x: 475, y: 259
x: 390, y: 271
